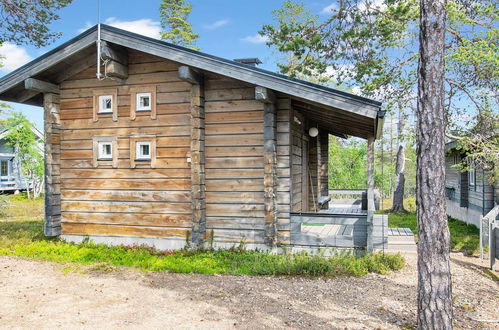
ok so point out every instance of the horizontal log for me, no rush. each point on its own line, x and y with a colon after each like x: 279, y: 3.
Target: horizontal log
x: 129, y: 219
x: 234, y: 117
x: 125, y: 207
x: 127, y: 184
x: 126, y: 195
x: 119, y: 230
x: 120, y: 173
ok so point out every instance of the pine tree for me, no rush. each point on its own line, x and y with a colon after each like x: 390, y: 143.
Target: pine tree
x: 176, y: 28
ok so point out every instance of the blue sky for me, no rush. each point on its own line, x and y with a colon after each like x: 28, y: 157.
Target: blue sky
x: 227, y: 29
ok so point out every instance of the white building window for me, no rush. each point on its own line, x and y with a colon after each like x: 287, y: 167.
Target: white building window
x: 105, y: 151
x: 471, y: 175
x: 143, y: 102
x: 143, y: 151
x: 4, y: 168
x: 105, y: 104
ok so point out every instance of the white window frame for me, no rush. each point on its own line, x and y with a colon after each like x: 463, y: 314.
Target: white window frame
x: 102, y: 100
x: 471, y: 175
x: 139, y: 106
x: 138, y: 150
x: 103, y: 156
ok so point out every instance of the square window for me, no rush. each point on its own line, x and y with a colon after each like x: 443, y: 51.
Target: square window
x: 105, y: 150
x: 143, y: 102
x: 143, y: 150
x: 105, y: 104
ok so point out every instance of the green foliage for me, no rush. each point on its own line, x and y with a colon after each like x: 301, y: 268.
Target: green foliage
x: 28, y: 21
x: 23, y: 140
x: 176, y: 29
x: 347, y: 164
x: 464, y: 237
x: 24, y: 237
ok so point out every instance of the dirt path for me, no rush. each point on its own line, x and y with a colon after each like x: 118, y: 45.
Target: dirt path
x: 40, y: 295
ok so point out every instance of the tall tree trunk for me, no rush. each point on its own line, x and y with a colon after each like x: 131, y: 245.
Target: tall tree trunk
x: 398, y: 194
x: 434, y: 278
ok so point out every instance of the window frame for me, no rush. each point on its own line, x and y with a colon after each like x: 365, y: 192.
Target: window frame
x: 97, y: 141
x: 102, y: 100
x: 101, y: 155
x: 135, y: 93
x: 138, y: 150
x: 139, y: 107
x: 135, y: 158
x: 471, y: 175
x: 7, y: 164
x: 98, y: 95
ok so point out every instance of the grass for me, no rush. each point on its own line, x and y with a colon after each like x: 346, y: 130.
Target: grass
x: 464, y: 237
x: 22, y: 236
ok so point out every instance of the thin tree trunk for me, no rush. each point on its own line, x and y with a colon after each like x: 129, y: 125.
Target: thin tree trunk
x: 398, y: 194
x: 434, y: 278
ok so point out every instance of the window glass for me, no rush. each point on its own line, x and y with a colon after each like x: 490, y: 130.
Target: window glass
x: 143, y: 101
x: 105, y: 150
x: 4, y: 168
x: 143, y: 150
x: 105, y: 104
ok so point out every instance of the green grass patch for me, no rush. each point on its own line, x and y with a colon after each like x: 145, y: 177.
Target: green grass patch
x: 463, y: 237
x: 23, y: 236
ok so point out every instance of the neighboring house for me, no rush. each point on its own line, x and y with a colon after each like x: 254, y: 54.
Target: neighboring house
x: 11, y: 178
x: 469, y: 194
x: 181, y: 146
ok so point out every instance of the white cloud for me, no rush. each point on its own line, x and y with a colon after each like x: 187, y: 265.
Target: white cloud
x: 144, y: 26
x: 13, y: 57
x: 256, y: 39
x: 329, y: 9
x: 216, y: 24
x: 88, y: 25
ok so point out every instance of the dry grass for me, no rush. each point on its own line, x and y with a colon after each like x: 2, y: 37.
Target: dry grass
x: 18, y: 207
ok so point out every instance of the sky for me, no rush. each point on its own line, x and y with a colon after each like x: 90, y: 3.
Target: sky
x: 227, y: 28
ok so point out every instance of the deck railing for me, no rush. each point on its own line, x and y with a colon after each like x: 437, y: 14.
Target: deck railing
x: 489, y: 234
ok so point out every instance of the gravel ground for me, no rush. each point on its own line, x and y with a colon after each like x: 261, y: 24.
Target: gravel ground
x: 46, y: 295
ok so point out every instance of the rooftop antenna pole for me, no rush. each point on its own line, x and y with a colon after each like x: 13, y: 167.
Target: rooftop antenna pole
x: 99, y: 75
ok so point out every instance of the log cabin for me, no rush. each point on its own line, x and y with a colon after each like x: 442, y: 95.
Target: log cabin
x: 470, y: 194
x: 151, y: 143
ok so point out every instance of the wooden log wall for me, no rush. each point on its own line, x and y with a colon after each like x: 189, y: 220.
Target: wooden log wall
x: 324, y: 164
x: 126, y: 201
x: 52, y: 123
x: 284, y: 119
x: 298, y: 198
x: 234, y: 161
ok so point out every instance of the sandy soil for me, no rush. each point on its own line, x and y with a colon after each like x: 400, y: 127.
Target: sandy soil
x: 45, y: 295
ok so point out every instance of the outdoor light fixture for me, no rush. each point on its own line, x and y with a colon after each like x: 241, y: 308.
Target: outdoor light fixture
x: 313, y: 131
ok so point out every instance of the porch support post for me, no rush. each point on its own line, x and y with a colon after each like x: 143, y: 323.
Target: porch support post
x: 198, y: 187
x: 270, y: 162
x: 323, y: 146
x: 52, y: 125
x: 370, y: 193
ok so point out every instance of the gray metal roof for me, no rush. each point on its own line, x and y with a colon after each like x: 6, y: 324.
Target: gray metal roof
x: 57, y: 65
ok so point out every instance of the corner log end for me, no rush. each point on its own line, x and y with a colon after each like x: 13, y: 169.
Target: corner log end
x: 190, y: 75
x: 40, y: 86
x: 264, y: 95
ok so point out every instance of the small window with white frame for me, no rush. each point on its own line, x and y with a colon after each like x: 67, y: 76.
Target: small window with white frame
x: 143, y: 150
x: 471, y: 175
x: 105, y: 104
x: 143, y: 102
x: 105, y: 151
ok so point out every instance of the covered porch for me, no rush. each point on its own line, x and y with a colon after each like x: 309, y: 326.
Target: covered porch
x: 319, y: 216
